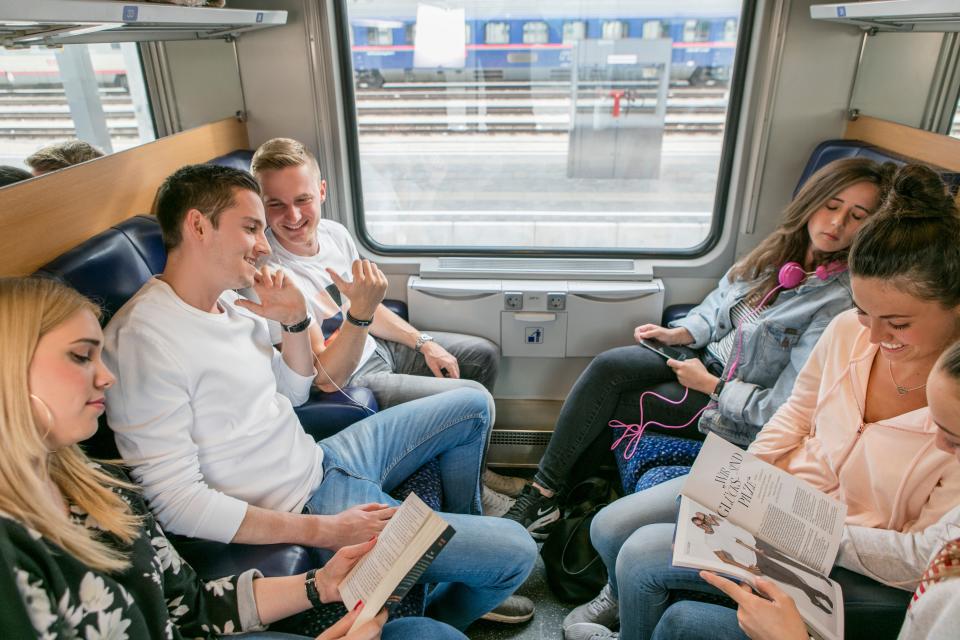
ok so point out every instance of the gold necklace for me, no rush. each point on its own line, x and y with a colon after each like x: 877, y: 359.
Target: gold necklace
x: 902, y: 390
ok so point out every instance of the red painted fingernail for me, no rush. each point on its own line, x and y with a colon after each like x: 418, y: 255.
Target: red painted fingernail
x: 359, y: 604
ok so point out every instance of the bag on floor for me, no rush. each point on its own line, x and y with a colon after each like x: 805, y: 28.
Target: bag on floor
x: 575, y: 572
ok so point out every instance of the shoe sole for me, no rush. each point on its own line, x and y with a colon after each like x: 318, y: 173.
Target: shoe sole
x: 504, y: 619
x: 540, y: 529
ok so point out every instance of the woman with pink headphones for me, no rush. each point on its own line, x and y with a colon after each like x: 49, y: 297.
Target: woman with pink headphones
x: 741, y: 347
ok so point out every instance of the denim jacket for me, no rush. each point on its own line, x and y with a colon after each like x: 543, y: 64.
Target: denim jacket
x: 774, y: 348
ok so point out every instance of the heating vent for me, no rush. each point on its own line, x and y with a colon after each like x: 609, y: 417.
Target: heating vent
x: 520, y: 438
x: 544, y: 266
x: 516, y: 448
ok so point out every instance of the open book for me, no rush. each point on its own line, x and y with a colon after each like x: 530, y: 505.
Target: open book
x: 743, y: 517
x: 406, y: 547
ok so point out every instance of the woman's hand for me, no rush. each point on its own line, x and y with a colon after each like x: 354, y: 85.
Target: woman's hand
x: 332, y: 574
x: 369, y: 630
x: 772, y: 615
x: 356, y: 525
x: 692, y: 374
x: 678, y: 335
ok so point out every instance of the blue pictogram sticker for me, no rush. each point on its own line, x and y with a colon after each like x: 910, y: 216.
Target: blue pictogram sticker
x: 130, y: 13
x: 841, y: 12
x: 534, y: 335
x: 259, y: 16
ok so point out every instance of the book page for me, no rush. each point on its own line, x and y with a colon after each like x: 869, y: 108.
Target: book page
x: 780, y: 509
x: 705, y: 540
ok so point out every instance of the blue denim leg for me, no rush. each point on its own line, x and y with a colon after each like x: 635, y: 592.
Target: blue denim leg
x: 419, y: 629
x: 689, y: 620
x: 646, y: 577
x: 374, y: 455
x: 616, y: 522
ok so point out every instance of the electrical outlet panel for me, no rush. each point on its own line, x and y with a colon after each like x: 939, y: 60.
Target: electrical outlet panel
x: 513, y: 300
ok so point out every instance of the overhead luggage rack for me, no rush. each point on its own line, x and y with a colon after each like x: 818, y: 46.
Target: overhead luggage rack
x: 25, y: 23
x: 893, y: 15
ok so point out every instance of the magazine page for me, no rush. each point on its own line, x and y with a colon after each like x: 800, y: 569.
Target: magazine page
x: 705, y: 540
x: 780, y: 509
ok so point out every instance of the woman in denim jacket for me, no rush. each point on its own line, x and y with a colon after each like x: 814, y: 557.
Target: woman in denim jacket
x: 744, y: 344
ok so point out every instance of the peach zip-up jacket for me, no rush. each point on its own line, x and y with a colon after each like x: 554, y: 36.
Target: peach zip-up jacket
x: 889, y: 473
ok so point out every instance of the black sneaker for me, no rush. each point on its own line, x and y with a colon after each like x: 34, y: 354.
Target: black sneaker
x: 535, y: 512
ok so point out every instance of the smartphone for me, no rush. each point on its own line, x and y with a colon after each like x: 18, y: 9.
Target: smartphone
x: 664, y: 350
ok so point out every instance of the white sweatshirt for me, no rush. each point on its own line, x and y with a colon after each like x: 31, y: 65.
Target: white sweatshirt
x: 899, y: 559
x: 202, y: 411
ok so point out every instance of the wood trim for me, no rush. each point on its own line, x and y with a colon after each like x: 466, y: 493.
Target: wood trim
x: 46, y: 216
x: 931, y: 148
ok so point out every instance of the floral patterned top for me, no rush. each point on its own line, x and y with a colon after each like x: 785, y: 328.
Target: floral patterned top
x: 158, y: 596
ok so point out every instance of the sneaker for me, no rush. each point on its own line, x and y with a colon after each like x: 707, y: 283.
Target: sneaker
x: 589, y: 631
x: 507, y: 485
x: 513, y: 610
x: 495, y: 504
x: 535, y: 512
x: 602, y: 610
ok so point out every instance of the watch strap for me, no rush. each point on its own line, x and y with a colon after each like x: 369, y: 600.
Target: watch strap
x: 313, y: 595
x: 717, y: 390
x: 297, y: 327
x: 422, y: 339
x: 356, y: 321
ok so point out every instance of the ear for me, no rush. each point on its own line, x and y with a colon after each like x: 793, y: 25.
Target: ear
x: 323, y: 191
x: 195, y: 225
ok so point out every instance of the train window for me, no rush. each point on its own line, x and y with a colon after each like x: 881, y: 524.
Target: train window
x: 92, y: 92
x: 535, y: 33
x: 411, y: 32
x: 613, y: 147
x: 955, y: 127
x: 653, y: 29
x: 697, y: 31
x: 730, y: 30
x: 614, y: 29
x: 382, y: 36
x: 497, y: 33
x: 574, y: 31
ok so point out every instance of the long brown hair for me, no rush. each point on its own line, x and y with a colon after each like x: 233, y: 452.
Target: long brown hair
x: 790, y: 241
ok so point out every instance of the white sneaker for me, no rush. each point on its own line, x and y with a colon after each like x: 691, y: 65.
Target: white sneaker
x: 603, y: 610
x: 495, y: 504
x: 589, y: 631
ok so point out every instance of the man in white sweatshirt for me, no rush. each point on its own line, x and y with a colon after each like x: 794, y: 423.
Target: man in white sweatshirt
x: 203, y: 410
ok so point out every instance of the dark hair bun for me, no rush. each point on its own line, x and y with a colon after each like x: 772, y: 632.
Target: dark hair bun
x: 918, y: 192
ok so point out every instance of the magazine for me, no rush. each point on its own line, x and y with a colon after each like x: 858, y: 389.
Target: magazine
x: 406, y: 547
x: 745, y: 518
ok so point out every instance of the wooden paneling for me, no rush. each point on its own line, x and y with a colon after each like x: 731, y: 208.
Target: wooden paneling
x: 931, y: 148
x: 43, y: 217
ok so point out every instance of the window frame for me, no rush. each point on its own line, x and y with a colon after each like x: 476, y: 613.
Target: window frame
x: 573, y: 23
x: 624, y: 29
x: 498, y: 23
x: 724, y: 175
x: 542, y: 30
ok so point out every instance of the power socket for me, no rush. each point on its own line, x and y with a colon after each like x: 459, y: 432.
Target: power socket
x: 556, y: 301
x: 513, y: 300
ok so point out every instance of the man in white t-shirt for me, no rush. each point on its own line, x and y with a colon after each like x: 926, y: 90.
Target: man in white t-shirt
x: 202, y: 410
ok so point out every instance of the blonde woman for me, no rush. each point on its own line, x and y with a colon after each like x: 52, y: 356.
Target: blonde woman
x: 80, y: 554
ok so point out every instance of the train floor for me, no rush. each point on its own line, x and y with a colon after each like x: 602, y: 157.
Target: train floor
x: 546, y: 622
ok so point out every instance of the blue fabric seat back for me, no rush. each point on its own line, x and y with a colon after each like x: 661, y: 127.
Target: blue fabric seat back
x: 145, y: 235
x: 239, y: 159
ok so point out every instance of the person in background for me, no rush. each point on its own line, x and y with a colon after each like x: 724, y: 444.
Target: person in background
x: 61, y: 155
x: 856, y: 425
x: 11, y: 175
x: 81, y: 556
x: 926, y: 562
x: 747, y: 340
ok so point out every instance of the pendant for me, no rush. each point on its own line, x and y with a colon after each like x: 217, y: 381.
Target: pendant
x: 902, y: 391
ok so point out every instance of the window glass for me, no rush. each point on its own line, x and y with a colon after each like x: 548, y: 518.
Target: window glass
x: 730, y: 30
x: 614, y: 29
x: 574, y: 30
x: 697, y: 31
x: 535, y: 33
x: 498, y: 33
x: 611, y: 144
x: 379, y: 36
x: 955, y: 127
x: 92, y: 92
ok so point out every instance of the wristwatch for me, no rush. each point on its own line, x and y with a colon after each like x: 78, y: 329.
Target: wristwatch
x: 717, y: 390
x: 422, y: 339
x: 313, y: 595
x: 357, y: 322
x: 297, y: 327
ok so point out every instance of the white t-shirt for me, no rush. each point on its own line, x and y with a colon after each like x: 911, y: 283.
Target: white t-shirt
x: 202, y: 410
x: 337, y: 251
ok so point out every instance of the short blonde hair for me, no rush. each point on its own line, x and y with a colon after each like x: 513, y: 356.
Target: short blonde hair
x: 280, y: 153
x: 30, y: 308
x: 62, y: 155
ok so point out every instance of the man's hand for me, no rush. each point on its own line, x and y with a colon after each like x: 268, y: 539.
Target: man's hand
x: 332, y: 574
x: 358, y: 524
x: 678, y: 335
x: 692, y: 374
x: 772, y: 615
x: 369, y: 630
x: 438, y: 358
x: 365, y: 291
x: 280, y: 300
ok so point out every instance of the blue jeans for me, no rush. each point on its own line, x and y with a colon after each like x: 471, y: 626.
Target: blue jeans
x: 401, y: 629
x: 689, y: 620
x: 634, y: 537
x: 487, y: 558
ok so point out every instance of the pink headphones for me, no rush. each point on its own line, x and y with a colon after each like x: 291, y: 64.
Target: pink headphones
x: 792, y: 275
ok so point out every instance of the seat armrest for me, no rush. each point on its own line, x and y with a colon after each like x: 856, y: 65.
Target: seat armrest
x: 214, y: 559
x: 324, y: 414
x: 399, y: 307
x: 675, y: 312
